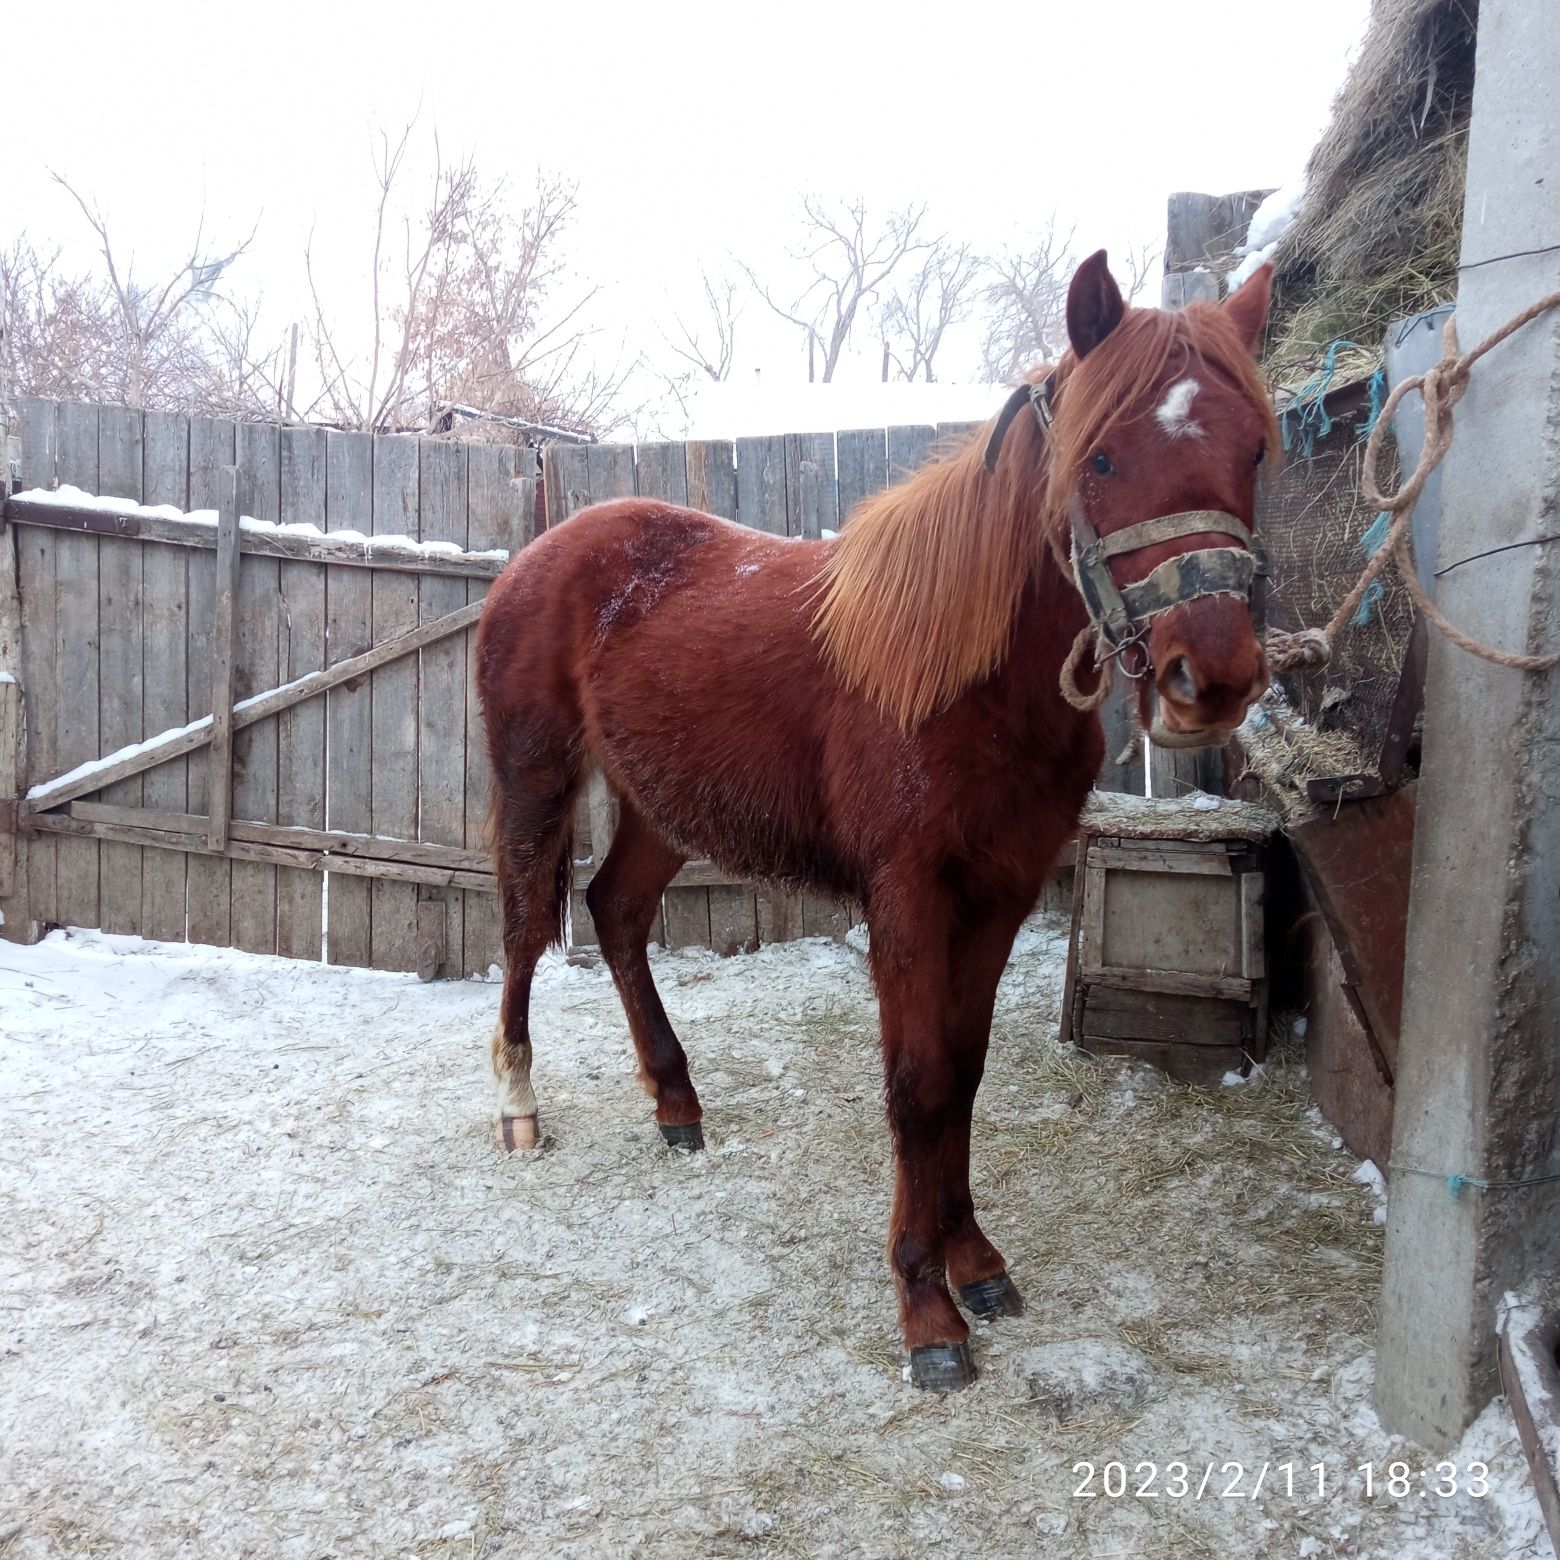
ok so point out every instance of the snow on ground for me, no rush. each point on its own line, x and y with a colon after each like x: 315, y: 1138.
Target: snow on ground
x: 267, y: 1289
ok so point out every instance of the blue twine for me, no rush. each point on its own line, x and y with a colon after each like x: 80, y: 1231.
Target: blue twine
x: 1372, y: 596
x: 1376, y: 533
x: 1456, y: 1182
x: 1377, y: 390
x: 1308, y: 409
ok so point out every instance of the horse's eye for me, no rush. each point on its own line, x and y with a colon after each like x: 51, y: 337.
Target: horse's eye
x: 1101, y: 464
x: 1261, y: 451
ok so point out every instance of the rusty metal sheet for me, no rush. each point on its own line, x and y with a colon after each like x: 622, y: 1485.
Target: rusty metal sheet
x: 1348, y: 1083
x: 1358, y: 865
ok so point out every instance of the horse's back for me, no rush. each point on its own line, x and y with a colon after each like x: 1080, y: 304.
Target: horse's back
x: 682, y: 645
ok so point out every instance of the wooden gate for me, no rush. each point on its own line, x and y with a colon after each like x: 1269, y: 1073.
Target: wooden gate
x: 259, y: 733
x: 262, y: 732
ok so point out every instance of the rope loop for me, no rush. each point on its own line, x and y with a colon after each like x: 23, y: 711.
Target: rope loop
x: 1104, y: 668
x: 1442, y: 385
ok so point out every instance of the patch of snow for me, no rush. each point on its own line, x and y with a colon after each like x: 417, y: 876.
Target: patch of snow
x: 1269, y: 223
x: 1202, y: 802
x: 1375, y: 1182
x: 68, y: 497
x: 92, y: 766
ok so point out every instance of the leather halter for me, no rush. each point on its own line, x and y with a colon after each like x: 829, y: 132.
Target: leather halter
x: 1122, y: 614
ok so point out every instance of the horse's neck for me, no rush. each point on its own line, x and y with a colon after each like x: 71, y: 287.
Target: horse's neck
x: 1049, y: 619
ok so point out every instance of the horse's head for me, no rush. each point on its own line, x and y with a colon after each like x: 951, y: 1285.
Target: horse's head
x: 1161, y: 421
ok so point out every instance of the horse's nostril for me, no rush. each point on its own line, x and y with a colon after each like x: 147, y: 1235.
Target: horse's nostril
x: 1179, y: 682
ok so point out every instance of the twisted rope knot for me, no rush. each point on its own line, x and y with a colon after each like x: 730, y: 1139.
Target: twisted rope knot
x: 1442, y: 385
x: 1305, y: 647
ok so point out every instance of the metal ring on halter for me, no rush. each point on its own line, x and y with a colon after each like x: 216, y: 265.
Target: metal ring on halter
x: 1138, y: 640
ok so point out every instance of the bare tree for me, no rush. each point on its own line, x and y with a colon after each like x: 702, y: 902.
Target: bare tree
x: 1026, y: 307
x: 850, y: 258
x: 57, y: 335
x: 919, y: 312
x: 461, y: 308
x: 710, y: 343
x: 1137, y: 266
x: 161, y: 329
x: 409, y: 273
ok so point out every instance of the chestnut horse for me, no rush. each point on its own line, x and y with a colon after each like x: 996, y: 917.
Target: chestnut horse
x: 876, y: 717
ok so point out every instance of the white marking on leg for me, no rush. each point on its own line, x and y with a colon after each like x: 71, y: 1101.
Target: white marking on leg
x: 515, y: 1094
x: 1174, y: 413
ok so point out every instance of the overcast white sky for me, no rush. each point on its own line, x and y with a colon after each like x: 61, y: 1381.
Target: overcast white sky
x: 691, y: 129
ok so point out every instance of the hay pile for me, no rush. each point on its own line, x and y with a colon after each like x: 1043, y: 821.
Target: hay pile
x: 1379, y: 232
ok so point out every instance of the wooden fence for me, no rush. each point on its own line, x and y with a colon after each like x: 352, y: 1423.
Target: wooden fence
x: 278, y: 719
x: 329, y: 798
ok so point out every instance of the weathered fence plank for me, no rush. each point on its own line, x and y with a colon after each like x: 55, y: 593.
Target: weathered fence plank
x: 256, y: 668
x: 209, y: 878
x: 300, y: 758
x: 35, y: 584
x: 567, y: 475
x: 811, y: 500
x: 863, y: 466
x: 121, y: 671
x: 392, y: 775
x: 17, y: 922
x: 711, y: 477
x: 244, y: 845
x: 224, y: 651
x: 349, y: 505
x: 196, y: 530
x: 441, y: 762
x: 76, y: 655
x: 500, y: 509
x: 165, y: 697
x: 908, y: 449
x: 761, y: 484
x: 59, y: 789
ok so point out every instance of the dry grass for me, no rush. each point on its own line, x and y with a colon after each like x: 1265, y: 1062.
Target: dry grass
x: 1379, y: 233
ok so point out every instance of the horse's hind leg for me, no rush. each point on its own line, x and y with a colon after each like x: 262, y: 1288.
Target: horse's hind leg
x: 623, y: 898
x: 535, y: 778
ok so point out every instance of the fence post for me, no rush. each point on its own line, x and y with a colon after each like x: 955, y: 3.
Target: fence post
x: 16, y: 921
x: 1475, y: 1153
x: 219, y: 791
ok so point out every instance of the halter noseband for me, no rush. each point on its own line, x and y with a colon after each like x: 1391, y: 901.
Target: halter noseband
x: 1122, y: 614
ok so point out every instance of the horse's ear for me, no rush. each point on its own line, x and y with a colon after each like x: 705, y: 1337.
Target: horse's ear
x: 1247, y: 307
x: 1094, y: 306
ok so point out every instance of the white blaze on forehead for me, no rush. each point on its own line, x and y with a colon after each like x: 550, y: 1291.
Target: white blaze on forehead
x: 1174, y: 413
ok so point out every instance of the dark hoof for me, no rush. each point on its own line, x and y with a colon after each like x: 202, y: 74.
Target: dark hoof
x: 690, y: 1137
x: 942, y: 1367
x: 991, y: 1297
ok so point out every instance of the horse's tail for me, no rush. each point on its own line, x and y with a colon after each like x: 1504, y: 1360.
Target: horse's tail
x: 530, y: 827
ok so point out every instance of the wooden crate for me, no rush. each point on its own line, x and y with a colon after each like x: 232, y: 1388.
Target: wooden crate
x: 1168, y: 958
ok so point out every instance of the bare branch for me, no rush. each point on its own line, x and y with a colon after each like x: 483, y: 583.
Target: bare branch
x: 851, y: 258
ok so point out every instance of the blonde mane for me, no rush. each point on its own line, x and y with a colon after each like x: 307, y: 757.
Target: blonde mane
x: 919, y: 597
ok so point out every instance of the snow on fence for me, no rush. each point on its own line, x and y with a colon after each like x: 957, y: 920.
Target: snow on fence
x: 243, y: 713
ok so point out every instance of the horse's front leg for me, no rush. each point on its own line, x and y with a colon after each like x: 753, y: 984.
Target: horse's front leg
x: 978, y: 954
x: 910, y: 969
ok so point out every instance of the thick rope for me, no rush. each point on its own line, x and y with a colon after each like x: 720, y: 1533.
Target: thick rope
x: 1087, y: 635
x: 1442, y: 386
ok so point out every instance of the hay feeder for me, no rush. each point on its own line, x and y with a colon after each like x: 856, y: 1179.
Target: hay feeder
x: 1168, y: 960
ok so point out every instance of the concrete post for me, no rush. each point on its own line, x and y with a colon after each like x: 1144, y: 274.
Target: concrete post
x: 1478, y: 1084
